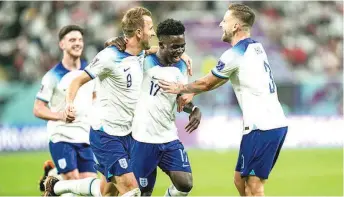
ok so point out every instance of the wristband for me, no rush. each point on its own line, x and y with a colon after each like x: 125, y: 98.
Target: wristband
x: 194, y: 107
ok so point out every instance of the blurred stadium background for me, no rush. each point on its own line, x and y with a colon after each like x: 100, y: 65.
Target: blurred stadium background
x: 304, y: 42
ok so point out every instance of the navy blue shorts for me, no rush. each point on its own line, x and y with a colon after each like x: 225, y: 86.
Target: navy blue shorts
x: 112, y: 153
x: 145, y: 158
x: 70, y: 156
x: 259, y: 151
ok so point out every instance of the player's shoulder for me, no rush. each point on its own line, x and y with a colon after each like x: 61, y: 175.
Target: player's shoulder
x: 182, y: 66
x: 55, y: 73
x: 150, y: 61
x: 237, y: 50
x: 114, y: 54
x: 241, y: 47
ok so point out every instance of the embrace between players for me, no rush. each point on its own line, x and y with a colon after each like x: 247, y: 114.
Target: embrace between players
x: 132, y: 122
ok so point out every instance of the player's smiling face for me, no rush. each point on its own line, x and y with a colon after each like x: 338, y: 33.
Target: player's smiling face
x: 172, y: 48
x: 147, y: 33
x: 228, y: 25
x: 73, y: 43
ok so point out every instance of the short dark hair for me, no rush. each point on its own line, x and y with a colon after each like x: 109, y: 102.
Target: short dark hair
x: 170, y: 27
x: 242, y: 12
x: 133, y: 20
x: 68, y: 28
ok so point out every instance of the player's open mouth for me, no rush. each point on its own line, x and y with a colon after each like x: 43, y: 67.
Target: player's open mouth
x: 176, y: 58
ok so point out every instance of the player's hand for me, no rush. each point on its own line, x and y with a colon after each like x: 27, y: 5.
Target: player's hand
x: 188, y: 61
x: 119, y: 42
x: 152, y: 50
x: 69, y: 113
x: 194, y: 120
x: 183, y: 100
x: 170, y: 87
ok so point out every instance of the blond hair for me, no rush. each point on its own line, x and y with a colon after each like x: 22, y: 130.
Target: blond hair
x: 133, y: 20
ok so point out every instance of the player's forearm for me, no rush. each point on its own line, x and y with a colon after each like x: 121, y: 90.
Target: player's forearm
x: 196, y: 87
x: 72, y: 90
x: 45, y: 113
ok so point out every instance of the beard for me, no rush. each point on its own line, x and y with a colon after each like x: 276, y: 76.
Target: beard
x: 227, y: 37
x: 145, y: 45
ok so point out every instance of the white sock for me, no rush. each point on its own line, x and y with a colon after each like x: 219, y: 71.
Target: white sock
x: 172, y: 191
x: 134, y: 192
x: 53, y: 172
x: 86, y: 187
x: 68, y: 195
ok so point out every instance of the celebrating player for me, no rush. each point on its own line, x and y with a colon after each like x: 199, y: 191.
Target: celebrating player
x: 247, y: 67
x: 154, y: 129
x: 120, y: 75
x: 69, y: 143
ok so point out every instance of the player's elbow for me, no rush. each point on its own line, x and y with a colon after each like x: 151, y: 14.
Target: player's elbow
x: 36, y: 110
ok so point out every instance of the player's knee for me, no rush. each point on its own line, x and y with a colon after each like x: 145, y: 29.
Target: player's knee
x: 256, y: 186
x: 126, y: 182
x: 185, y: 185
x: 73, y: 175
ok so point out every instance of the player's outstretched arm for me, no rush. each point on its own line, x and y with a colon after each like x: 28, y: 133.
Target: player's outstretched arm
x: 206, y: 83
x: 41, y: 110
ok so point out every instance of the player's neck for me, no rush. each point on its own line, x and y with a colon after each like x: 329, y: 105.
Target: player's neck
x: 162, y: 60
x: 133, y: 47
x: 240, y: 36
x: 71, y: 63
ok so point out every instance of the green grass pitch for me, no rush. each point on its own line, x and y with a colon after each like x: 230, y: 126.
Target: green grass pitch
x: 301, y: 172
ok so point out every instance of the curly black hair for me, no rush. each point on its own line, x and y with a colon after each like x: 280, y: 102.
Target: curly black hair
x: 170, y: 27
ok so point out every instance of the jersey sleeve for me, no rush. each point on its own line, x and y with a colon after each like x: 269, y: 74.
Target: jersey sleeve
x: 48, y: 85
x: 226, y: 65
x: 100, y: 65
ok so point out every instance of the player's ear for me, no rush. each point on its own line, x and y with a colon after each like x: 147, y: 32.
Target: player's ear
x: 139, y: 33
x: 236, y: 27
x: 161, y: 45
x: 61, y: 44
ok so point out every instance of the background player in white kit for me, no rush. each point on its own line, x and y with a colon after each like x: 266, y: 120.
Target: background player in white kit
x: 120, y: 75
x: 69, y: 143
x: 154, y: 129
x: 247, y: 67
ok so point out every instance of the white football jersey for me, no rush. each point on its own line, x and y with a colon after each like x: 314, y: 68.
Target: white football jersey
x: 247, y: 67
x: 120, y: 75
x: 53, y: 91
x: 154, y: 120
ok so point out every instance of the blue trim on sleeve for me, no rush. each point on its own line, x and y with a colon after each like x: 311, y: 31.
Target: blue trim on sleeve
x: 219, y: 76
x: 42, y: 99
x: 89, y: 74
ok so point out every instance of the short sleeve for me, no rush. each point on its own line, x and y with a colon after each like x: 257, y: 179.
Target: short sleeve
x: 100, y: 65
x: 226, y: 65
x: 48, y: 85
